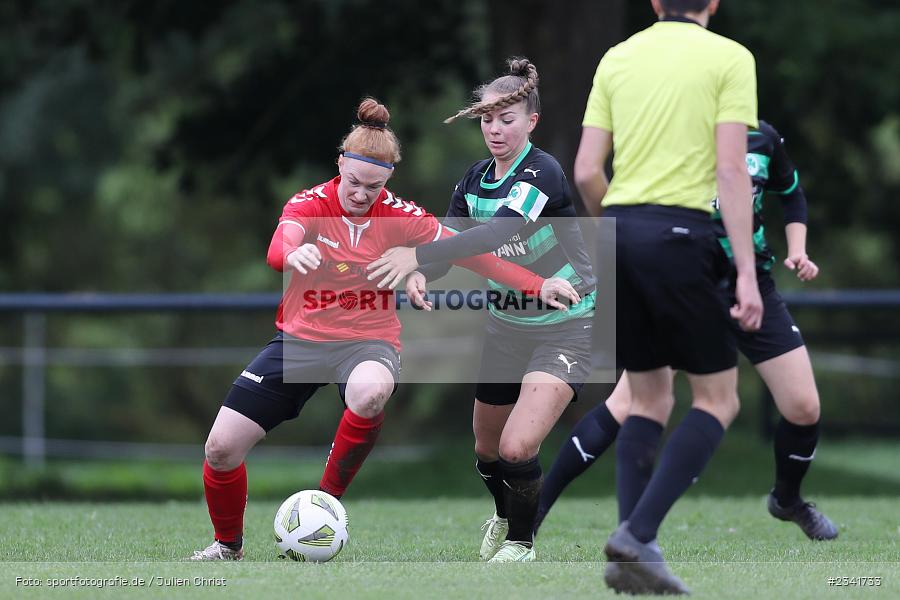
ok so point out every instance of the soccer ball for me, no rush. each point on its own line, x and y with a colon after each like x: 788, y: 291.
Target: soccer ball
x: 311, y: 526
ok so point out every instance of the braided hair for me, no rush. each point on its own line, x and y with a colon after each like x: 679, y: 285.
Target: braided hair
x: 520, y: 85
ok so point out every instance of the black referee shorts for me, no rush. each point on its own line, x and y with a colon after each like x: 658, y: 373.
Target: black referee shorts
x: 287, y: 372
x: 671, y: 287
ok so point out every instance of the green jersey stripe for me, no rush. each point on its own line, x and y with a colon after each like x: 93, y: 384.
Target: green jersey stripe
x: 568, y: 273
x: 583, y: 309
x: 482, y: 209
x: 511, y: 171
x: 793, y: 185
x: 540, y: 243
x: 760, y: 246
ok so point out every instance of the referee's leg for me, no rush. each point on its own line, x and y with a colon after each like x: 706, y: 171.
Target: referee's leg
x: 668, y: 300
x: 689, y: 448
x: 639, y: 436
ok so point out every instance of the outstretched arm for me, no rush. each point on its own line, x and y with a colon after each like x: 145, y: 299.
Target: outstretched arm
x: 398, y: 262
x: 479, y: 239
x: 509, y: 274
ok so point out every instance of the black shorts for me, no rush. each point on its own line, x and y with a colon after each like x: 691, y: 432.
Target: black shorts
x: 778, y: 333
x: 670, y: 280
x: 288, y: 371
x: 509, y: 352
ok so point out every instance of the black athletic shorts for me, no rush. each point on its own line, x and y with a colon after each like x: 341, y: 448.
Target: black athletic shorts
x: 778, y: 333
x: 261, y: 394
x: 509, y: 352
x: 670, y: 280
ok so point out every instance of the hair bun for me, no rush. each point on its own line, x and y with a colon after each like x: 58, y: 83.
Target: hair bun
x: 371, y: 113
x: 519, y: 66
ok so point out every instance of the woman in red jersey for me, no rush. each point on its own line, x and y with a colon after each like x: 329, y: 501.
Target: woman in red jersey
x: 334, y: 325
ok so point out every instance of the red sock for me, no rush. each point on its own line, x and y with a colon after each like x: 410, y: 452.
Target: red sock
x: 226, y: 498
x: 353, y: 441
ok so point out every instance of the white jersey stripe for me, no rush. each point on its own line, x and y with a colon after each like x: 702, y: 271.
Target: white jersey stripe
x: 280, y: 223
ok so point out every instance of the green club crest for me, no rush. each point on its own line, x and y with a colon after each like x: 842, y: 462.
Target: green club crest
x: 752, y: 165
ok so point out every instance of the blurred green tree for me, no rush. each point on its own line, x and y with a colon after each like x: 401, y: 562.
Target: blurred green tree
x: 149, y: 146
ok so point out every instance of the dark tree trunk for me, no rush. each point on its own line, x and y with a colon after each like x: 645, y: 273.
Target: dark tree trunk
x: 565, y: 40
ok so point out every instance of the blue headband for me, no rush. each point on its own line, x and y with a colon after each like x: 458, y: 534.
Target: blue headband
x: 367, y: 159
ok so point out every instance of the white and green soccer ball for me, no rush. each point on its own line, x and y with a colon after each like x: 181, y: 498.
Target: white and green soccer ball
x: 311, y: 526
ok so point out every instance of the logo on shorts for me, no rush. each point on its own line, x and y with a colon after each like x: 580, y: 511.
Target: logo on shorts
x: 251, y: 376
x: 568, y: 364
x: 795, y: 329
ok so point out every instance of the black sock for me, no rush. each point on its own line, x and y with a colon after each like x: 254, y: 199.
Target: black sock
x: 636, y: 449
x: 237, y: 544
x: 523, y: 488
x: 590, y: 438
x: 681, y: 462
x: 493, y: 480
x: 795, y: 446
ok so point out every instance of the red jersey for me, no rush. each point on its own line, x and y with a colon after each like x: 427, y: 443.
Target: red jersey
x: 337, y: 302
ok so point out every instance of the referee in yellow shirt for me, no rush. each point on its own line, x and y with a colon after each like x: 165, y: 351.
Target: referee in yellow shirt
x: 674, y: 101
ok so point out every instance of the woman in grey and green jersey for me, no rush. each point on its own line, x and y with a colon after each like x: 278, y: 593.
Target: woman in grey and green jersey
x: 516, y: 203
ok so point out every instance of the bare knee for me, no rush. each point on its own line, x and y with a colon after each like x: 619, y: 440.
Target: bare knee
x: 486, y: 451
x: 516, y: 451
x: 487, y: 443
x: 619, y: 402
x: 724, y: 407
x: 221, y: 455
x: 488, y: 423
x: 801, y: 410
x: 657, y: 409
x: 367, y: 400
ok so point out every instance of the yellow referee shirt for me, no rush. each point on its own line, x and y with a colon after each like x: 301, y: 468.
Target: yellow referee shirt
x: 661, y: 93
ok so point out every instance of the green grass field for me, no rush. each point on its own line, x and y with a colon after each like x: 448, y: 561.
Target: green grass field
x: 724, y: 547
x: 415, y: 529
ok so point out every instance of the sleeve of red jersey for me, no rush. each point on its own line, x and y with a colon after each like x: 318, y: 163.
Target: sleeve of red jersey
x: 428, y: 229
x: 296, y: 224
